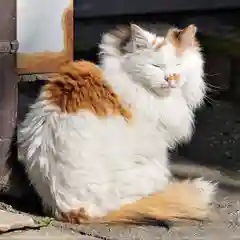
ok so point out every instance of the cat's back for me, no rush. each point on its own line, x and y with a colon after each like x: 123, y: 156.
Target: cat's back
x: 77, y: 113
x: 91, y: 112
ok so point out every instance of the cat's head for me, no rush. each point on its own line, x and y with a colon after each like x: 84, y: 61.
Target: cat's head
x: 158, y: 62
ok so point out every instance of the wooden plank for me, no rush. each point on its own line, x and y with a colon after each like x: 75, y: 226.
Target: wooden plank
x: 45, y: 34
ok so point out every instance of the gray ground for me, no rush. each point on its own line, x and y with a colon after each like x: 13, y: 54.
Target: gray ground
x: 224, y: 224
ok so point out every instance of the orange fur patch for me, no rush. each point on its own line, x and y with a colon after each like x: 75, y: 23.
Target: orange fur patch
x: 154, y: 41
x: 77, y: 216
x: 175, y: 37
x: 173, y: 77
x: 180, y: 201
x: 80, y: 85
x: 159, y: 45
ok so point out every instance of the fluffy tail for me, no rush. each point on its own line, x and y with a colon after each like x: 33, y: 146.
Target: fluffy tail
x: 181, y: 201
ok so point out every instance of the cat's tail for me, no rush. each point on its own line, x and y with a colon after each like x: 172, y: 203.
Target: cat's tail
x: 180, y: 201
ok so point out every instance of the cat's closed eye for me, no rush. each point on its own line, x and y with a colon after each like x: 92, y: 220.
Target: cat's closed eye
x: 161, y: 66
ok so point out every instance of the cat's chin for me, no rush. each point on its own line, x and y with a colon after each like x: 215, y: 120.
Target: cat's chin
x: 162, y: 92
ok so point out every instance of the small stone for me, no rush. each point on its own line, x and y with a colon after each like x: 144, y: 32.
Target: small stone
x: 11, y: 221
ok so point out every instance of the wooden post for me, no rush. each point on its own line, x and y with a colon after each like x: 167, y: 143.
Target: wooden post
x: 8, y: 93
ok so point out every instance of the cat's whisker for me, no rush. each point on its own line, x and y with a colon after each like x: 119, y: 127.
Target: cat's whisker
x: 210, y: 100
x: 212, y: 75
x: 211, y: 90
x: 216, y: 87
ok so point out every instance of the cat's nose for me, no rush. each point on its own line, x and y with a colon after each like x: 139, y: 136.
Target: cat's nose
x: 172, y: 77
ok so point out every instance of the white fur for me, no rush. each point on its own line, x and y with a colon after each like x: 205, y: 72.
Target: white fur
x: 81, y: 161
x: 207, y: 188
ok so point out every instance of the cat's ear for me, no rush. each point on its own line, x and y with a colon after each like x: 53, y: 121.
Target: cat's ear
x: 183, y: 38
x: 140, y: 37
x: 188, y: 36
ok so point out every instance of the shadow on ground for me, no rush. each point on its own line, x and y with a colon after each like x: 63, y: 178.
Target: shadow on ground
x: 216, y: 142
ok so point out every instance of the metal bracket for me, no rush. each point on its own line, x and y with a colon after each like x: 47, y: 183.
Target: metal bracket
x: 9, y: 46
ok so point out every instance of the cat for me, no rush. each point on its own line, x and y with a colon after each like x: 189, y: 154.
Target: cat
x: 152, y: 60
x: 95, y: 144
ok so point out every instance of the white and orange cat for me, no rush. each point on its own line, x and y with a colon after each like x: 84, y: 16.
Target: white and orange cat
x: 95, y: 144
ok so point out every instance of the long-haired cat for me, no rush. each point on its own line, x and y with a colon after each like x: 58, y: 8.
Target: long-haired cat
x: 95, y: 144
